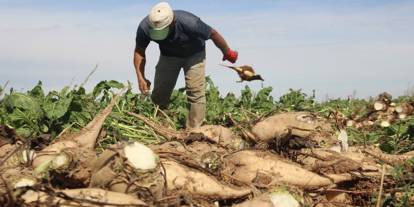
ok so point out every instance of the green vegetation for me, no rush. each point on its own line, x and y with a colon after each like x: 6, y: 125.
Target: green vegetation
x: 34, y: 112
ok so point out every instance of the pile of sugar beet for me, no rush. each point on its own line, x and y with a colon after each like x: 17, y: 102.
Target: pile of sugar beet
x: 287, y: 159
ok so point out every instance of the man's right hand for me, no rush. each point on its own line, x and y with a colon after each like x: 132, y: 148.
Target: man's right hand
x: 230, y: 55
x: 144, y: 85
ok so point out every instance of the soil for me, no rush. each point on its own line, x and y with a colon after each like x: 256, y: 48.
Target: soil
x: 7, y: 135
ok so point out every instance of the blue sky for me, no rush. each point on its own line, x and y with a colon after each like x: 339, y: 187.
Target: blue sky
x: 335, y: 47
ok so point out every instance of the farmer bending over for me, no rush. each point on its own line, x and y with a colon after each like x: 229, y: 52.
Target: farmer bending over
x: 181, y: 38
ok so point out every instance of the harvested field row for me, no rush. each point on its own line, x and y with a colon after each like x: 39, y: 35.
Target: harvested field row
x: 72, y: 148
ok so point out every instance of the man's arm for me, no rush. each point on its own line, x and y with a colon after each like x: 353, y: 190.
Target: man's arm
x: 219, y: 41
x: 196, y: 26
x: 139, y: 63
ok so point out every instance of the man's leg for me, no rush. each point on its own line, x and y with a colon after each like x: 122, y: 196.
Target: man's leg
x: 195, y: 87
x: 166, y: 74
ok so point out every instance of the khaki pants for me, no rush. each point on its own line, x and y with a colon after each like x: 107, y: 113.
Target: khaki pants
x: 166, y: 74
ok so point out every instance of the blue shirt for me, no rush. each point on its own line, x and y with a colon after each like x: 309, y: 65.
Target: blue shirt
x: 186, y: 38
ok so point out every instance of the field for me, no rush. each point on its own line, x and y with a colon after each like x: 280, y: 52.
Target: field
x: 113, y: 147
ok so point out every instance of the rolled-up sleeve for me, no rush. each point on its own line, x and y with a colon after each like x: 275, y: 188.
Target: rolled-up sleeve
x: 141, y: 40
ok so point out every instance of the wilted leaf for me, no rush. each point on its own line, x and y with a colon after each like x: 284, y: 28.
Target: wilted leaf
x: 105, y: 86
x: 22, y: 101
x: 55, y: 109
x: 115, y: 84
x: 37, y: 91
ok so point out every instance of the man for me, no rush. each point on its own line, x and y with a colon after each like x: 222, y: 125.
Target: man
x: 181, y: 38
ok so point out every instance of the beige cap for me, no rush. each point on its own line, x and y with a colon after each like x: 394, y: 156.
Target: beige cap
x: 160, y: 17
